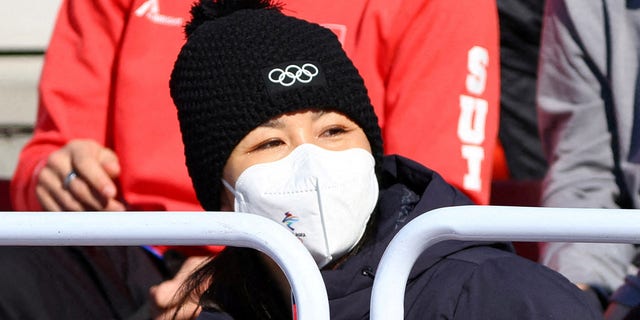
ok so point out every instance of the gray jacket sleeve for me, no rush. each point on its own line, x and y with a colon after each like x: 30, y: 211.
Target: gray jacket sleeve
x: 575, y: 137
x: 571, y: 110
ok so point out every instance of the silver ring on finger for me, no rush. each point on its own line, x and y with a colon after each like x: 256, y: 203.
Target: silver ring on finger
x: 67, y: 180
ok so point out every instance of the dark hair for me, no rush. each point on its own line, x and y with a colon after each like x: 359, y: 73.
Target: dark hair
x: 239, y: 283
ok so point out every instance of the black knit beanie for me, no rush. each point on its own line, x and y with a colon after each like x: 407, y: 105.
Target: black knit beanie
x: 244, y: 63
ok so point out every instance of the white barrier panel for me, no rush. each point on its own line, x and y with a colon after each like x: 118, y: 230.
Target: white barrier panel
x: 490, y: 223
x: 177, y: 228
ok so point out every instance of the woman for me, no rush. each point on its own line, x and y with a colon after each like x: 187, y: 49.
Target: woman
x: 276, y: 121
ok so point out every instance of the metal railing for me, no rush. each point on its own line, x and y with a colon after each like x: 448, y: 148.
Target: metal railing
x: 177, y: 228
x: 484, y: 223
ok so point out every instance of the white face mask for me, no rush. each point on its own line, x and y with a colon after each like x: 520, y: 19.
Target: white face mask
x: 324, y: 197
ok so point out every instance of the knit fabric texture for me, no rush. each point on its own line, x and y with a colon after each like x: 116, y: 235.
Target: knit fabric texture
x: 248, y: 66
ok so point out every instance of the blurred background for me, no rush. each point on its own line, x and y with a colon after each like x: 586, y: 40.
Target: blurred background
x: 25, y: 27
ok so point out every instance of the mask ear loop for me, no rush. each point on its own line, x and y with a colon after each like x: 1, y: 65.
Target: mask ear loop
x: 327, y: 252
x: 236, y: 196
x: 228, y: 186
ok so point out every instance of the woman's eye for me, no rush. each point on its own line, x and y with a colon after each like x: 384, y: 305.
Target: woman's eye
x: 268, y: 144
x: 333, y: 131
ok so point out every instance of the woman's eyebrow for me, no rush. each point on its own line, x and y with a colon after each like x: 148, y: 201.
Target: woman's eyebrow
x: 273, y: 123
x: 278, y: 124
x: 318, y: 114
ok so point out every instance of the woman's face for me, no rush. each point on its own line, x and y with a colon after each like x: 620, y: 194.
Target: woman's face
x: 276, y: 138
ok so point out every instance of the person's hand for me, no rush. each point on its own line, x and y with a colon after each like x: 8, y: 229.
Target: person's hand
x: 583, y: 286
x: 163, y: 295
x: 79, y: 177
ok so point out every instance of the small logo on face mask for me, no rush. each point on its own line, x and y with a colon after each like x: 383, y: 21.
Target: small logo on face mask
x: 289, y: 220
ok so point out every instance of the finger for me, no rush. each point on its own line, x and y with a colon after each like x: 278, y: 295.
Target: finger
x: 114, y: 205
x: 163, y: 294
x: 59, y: 163
x: 50, y: 190
x: 167, y: 308
x: 189, y: 310
x: 109, y: 161
x: 81, y: 191
x: 85, y: 159
x: 91, y: 200
x: 47, y: 202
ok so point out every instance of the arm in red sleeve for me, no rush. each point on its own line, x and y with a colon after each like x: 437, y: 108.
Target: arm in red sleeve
x: 74, y: 87
x: 432, y: 71
x: 441, y: 99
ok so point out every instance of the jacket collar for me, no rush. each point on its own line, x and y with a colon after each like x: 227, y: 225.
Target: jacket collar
x: 407, y: 190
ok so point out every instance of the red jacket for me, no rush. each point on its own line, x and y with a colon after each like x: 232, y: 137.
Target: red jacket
x: 431, y: 67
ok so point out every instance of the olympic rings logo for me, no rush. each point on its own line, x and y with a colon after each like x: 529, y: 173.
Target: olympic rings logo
x: 293, y: 73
